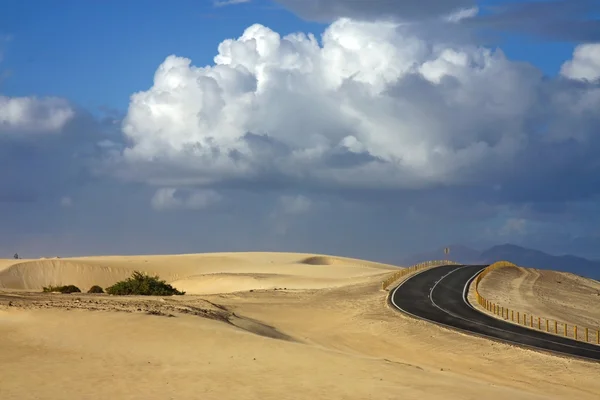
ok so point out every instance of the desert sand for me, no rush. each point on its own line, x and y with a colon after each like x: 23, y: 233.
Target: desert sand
x: 193, y: 273
x: 555, y: 295
x: 325, y: 333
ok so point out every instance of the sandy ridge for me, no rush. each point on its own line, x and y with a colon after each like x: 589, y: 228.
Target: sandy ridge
x: 556, y: 296
x: 193, y: 273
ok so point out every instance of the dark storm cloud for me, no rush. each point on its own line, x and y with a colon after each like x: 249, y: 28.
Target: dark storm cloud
x: 569, y: 20
x: 46, y: 166
x: 326, y: 10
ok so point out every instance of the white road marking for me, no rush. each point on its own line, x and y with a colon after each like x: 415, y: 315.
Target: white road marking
x: 489, y: 326
x: 393, y: 294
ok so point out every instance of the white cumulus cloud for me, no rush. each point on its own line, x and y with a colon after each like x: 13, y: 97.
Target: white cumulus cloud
x: 585, y: 64
x: 370, y: 105
x: 31, y: 114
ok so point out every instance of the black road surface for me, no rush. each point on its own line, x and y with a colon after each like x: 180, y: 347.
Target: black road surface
x: 439, y: 295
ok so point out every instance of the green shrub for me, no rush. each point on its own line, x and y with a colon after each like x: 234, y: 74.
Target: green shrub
x: 144, y: 285
x: 96, y: 289
x: 62, y: 289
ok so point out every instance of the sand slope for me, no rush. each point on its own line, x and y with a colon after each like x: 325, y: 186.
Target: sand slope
x: 337, y: 342
x: 194, y: 273
x: 6, y: 262
x: 557, y: 295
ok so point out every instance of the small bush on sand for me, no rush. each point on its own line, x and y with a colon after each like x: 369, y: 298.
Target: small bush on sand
x: 62, y: 289
x: 144, y: 285
x: 96, y: 289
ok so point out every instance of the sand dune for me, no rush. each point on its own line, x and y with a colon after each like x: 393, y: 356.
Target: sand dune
x: 194, y: 273
x: 228, y: 282
x: 5, y: 263
x: 557, y: 295
x: 331, y: 337
x: 36, y: 274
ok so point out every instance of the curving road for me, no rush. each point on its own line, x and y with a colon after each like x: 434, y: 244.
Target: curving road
x: 439, y: 295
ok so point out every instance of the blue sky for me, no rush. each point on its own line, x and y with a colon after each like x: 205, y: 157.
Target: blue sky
x: 356, y: 144
x: 97, y: 53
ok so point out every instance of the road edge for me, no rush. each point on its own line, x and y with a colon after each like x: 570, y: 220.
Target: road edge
x: 523, y: 346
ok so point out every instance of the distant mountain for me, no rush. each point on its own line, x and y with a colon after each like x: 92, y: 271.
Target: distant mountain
x: 519, y: 255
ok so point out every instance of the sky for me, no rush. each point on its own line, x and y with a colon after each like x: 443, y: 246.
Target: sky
x: 370, y: 129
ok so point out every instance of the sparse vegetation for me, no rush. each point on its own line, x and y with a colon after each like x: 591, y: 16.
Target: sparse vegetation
x: 96, y: 289
x: 143, y: 285
x: 62, y: 289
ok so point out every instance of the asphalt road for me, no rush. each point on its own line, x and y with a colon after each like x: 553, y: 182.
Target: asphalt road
x: 439, y: 295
